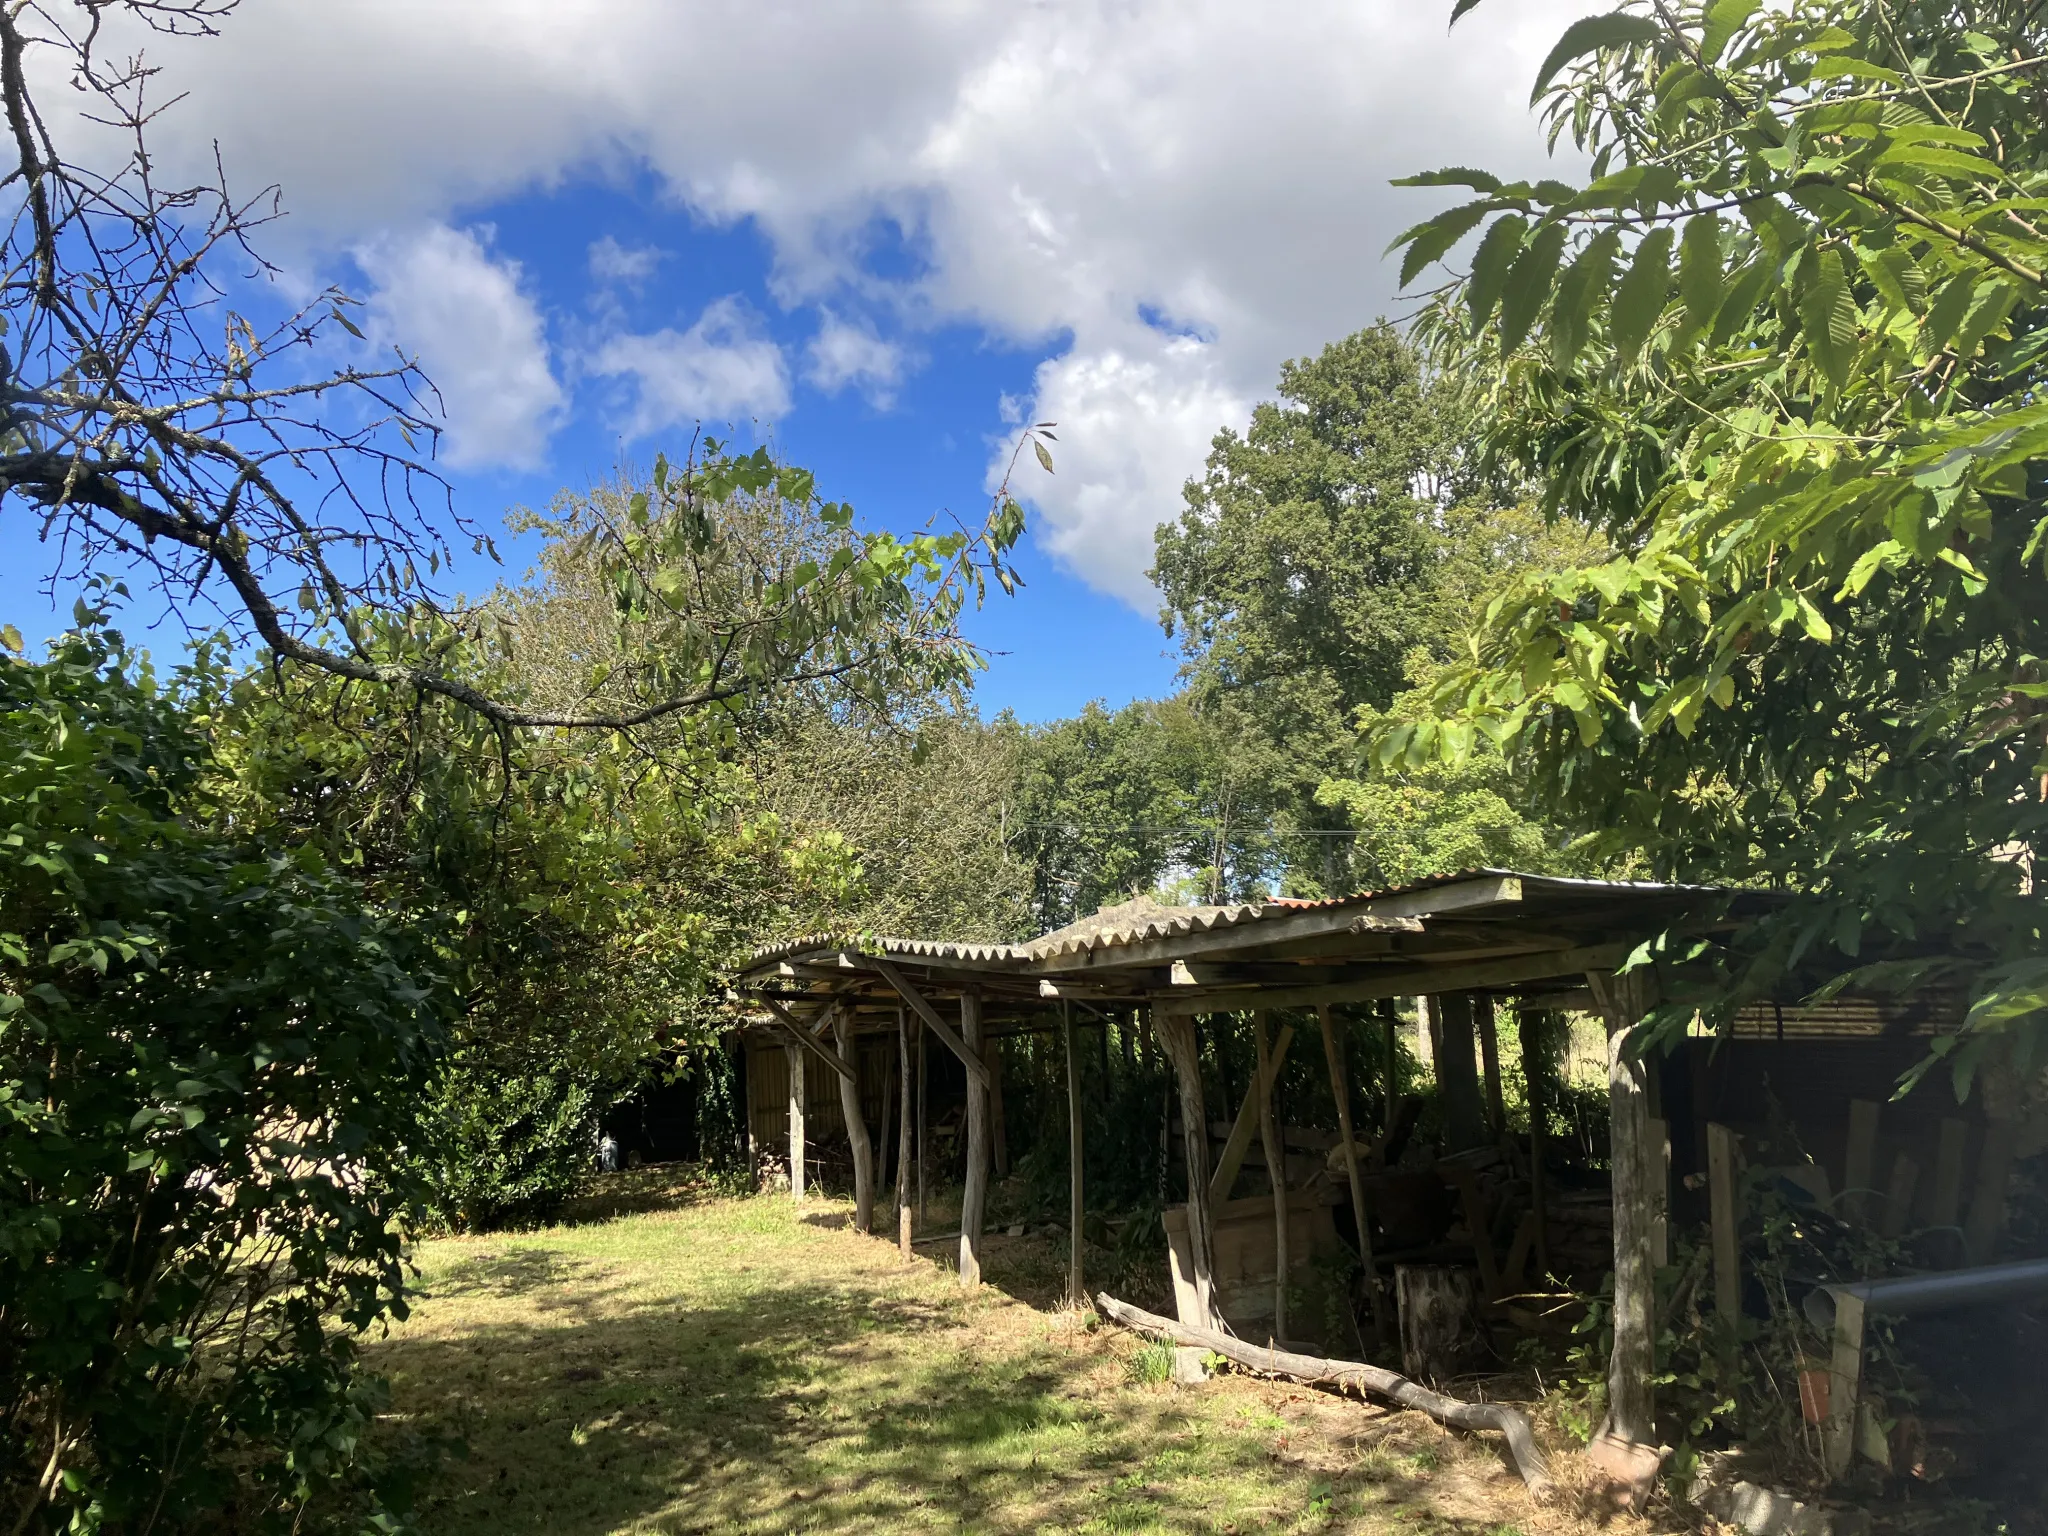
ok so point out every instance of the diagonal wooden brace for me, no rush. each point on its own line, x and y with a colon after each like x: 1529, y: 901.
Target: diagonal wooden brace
x: 806, y: 1039
x: 976, y: 1069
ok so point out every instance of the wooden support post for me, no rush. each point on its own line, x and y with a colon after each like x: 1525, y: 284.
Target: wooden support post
x: 1945, y: 1209
x: 856, y: 1128
x: 974, y: 1191
x: 1077, y: 1288
x: 1536, y: 1074
x: 1845, y: 1386
x: 795, y: 1054
x: 1176, y: 1035
x: 1489, y: 1057
x: 1333, y: 1053
x: 1898, y: 1195
x: 1859, y: 1168
x: 998, y: 1121
x: 1986, y: 1222
x: 924, y: 1134
x: 1276, y: 1174
x: 1660, y: 1192
x: 1246, y: 1125
x: 1426, y: 1031
x: 1390, y: 1068
x: 884, y: 1142
x: 1457, y: 1072
x: 903, y: 1154
x: 1725, y: 1216
x: 1631, y: 1403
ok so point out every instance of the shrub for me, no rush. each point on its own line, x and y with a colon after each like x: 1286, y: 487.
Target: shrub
x: 207, y: 1057
x: 505, y: 1150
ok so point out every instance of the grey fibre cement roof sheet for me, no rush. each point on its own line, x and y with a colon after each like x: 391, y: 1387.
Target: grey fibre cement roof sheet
x: 1142, y: 920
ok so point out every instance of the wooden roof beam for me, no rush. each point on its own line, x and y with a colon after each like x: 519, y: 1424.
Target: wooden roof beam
x: 1402, y: 981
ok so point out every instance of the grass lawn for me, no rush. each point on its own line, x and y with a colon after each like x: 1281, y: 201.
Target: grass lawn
x: 708, y: 1364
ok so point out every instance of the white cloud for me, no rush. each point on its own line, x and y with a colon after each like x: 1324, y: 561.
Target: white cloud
x: 720, y: 369
x: 843, y: 354
x: 1062, y: 169
x: 1132, y: 423
x: 440, y: 294
x: 628, y: 266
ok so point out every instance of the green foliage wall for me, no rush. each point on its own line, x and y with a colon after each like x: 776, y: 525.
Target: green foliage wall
x: 210, y: 1048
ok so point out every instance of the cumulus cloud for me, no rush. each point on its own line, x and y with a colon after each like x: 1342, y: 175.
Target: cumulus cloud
x: 844, y: 354
x: 1061, y: 171
x: 721, y: 369
x: 440, y: 294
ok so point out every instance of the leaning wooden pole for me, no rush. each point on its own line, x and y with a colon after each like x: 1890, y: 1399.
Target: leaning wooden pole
x: 1352, y: 1375
x: 1333, y: 1054
x: 903, y: 1233
x: 1077, y: 1289
x: 1276, y: 1173
x: 974, y: 1189
x: 856, y: 1127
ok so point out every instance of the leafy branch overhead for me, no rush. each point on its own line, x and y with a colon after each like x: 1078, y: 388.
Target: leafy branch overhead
x: 151, y: 421
x: 1784, y: 344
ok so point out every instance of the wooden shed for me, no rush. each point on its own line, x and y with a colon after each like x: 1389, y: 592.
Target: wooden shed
x: 1463, y: 944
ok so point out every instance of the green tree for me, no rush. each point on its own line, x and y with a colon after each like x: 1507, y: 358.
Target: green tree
x: 1301, y: 569
x: 209, y: 1050
x: 1784, y: 346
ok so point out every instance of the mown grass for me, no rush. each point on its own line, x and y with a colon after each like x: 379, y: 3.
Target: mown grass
x: 715, y: 1364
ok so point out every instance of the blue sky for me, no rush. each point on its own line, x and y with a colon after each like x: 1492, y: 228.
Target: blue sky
x: 876, y: 233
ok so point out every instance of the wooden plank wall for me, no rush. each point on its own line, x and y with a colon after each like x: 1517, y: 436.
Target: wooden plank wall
x: 824, y: 1121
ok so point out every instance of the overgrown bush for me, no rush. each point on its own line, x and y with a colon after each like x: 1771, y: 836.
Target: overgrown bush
x: 504, y: 1150
x: 208, y: 1054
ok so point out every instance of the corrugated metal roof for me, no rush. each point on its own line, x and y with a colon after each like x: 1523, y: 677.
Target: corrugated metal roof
x: 1148, y: 921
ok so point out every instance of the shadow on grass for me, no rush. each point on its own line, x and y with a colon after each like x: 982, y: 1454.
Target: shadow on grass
x: 635, y: 1191
x: 838, y: 1408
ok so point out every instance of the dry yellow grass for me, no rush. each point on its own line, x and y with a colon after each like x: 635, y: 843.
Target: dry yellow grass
x: 710, y: 1364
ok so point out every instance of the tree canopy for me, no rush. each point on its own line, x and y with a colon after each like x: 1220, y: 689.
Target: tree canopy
x: 1783, y: 345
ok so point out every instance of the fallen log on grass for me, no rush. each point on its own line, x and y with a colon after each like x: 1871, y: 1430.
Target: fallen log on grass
x: 1354, y: 1375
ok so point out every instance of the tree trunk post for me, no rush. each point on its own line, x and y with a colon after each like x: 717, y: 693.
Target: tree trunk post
x: 1077, y: 1288
x: 1333, y: 1053
x: 1631, y: 1401
x: 1176, y: 1035
x: 885, y: 1143
x: 1276, y: 1172
x: 998, y: 1119
x: 1457, y: 1071
x: 924, y: 1134
x: 974, y: 1190
x: 903, y: 1153
x: 796, y: 1119
x: 1536, y: 1074
x: 856, y: 1127
x: 1489, y: 1057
